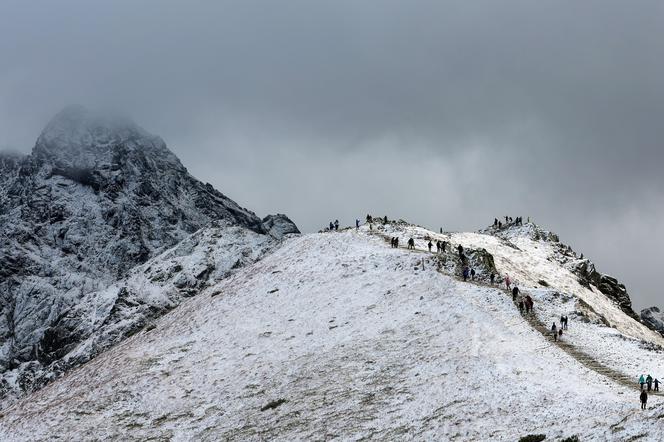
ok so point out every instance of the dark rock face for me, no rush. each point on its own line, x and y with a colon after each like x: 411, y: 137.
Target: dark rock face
x: 279, y: 225
x: 654, y: 319
x: 606, y: 284
x: 97, y: 197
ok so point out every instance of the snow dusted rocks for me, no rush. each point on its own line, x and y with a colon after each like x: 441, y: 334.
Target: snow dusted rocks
x: 653, y: 317
x: 279, y: 225
x: 97, y: 197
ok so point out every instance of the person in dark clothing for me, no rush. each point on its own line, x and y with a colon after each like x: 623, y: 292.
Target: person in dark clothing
x: 566, y: 322
x: 369, y: 218
x: 441, y: 230
x: 336, y: 224
x: 515, y: 293
x: 495, y: 222
x: 437, y: 246
x: 521, y: 306
x: 656, y: 384
x: 460, y: 250
x: 529, y: 304
x: 492, y: 277
x: 554, y: 330
x: 385, y: 219
x: 644, y: 400
x: 443, y: 246
x: 392, y: 242
x: 357, y: 223
x: 396, y: 242
x: 472, y: 274
x: 465, y: 274
x: 649, y: 382
x: 411, y: 244
x: 430, y: 245
x: 500, y: 225
x: 331, y: 225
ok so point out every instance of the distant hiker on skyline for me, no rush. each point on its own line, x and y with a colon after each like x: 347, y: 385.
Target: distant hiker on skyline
x: 495, y: 222
x: 369, y: 219
x: 331, y: 225
x: 336, y: 224
x: 411, y: 244
x: 385, y: 219
x: 357, y: 223
x: 554, y: 330
x: 642, y: 381
x: 644, y: 400
x: 500, y: 225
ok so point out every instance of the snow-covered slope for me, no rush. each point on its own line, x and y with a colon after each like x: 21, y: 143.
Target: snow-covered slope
x: 336, y: 335
x: 97, y: 197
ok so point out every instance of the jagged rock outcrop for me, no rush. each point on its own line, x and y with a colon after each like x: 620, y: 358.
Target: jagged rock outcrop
x: 97, y: 197
x: 279, y: 225
x: 653, y: 317
x: 584, y: 269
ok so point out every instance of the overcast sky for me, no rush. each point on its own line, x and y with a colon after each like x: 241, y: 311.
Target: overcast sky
x: 442, y: 113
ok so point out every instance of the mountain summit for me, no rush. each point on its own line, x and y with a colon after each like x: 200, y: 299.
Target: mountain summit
x: 97, y: 197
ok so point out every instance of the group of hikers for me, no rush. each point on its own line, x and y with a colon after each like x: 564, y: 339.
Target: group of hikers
x: 334, y: 225
x: 518, y: 221
x: 648, y: 381
x: 558, y: 331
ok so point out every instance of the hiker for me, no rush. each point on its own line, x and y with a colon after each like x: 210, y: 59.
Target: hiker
x: 566, y: 322
x: 515, y: 293
x: 529, y: 304
x: 441, y: 230
x: 656, y: 384
x: 500, y: 225
x: 460, y: 249
x: 642, y: 381
x: 430, y: 245
x: 554, y: 330
x: 521, y: 305
x: 385, y: 220
x: 560, y: 333
x: 508, y: 281
x: 392, y: 242
x: 472, y: 274
x: 331, y: 226
x: 357, y: 223
x: 492, y: 277
x: 411, y: 244
x: 495, y: 222
x: 644, y: 400
x: 649, y: 382
x: 396, y: 242
x: 336, y: 224
x: 443, y: 246
x: 465, y: 274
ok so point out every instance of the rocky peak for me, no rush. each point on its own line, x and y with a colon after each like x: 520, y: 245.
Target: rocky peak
x: 97, y: 197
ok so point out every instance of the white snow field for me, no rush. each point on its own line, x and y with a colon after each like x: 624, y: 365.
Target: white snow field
x: 339, y: 336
